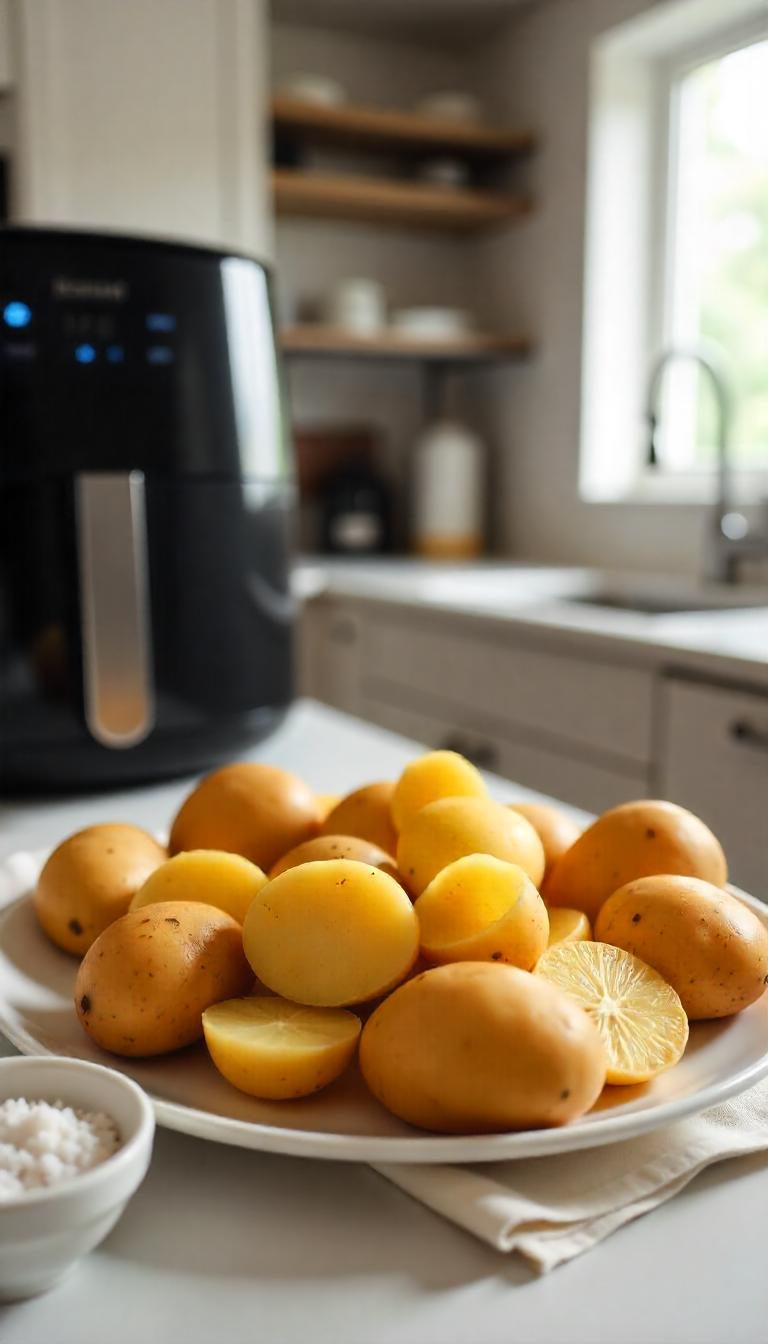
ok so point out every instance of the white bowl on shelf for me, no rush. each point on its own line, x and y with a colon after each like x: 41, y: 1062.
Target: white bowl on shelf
x: 46, y: 1231
x: 452, y: 105
x: 432, y: 323
x: 319, y: 90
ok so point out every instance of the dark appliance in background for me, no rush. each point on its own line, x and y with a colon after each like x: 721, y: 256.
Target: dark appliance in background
x: 146, y: 620
x: 356, y: 511
x: 4, y: 189
x: 346, y: 503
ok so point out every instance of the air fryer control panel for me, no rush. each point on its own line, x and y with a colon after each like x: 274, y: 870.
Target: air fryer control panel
x: 117, y: 355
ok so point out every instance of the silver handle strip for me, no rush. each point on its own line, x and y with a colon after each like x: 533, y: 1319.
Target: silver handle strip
x: 114, y: 605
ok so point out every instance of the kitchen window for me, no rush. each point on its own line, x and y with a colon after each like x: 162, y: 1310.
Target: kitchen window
x: 714, y: 267
x: 677, y: 250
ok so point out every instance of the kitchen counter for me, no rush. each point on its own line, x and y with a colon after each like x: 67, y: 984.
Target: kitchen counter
x: 225, y: 1245
x: 549, y: 605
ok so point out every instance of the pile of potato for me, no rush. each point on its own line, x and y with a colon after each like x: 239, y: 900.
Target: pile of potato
x: 459, y: 929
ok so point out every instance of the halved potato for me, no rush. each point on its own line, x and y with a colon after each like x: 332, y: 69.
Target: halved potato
x: 331, y: 933
x: 482, y: 909
x: 269, y: 1047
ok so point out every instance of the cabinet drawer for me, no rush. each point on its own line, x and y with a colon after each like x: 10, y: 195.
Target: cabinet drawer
x: 584, y: 703
x: 574, y: 780
x: 715, y: 761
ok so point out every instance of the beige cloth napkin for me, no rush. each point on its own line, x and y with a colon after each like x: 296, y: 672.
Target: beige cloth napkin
x: 551, y: 1209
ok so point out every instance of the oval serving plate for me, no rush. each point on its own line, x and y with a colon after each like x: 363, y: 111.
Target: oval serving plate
x: 343, y: 1123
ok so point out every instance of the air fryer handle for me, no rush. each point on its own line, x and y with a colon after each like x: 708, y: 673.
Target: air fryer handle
x: 118, y: 691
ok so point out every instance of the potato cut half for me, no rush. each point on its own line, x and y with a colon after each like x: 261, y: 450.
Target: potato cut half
x: 639, y: 1016
x: 482, y: 909
x: 568, y: 926
x: 271, y: 1048
x: 331, y: 933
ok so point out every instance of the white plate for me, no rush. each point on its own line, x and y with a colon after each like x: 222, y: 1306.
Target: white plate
x: 343, y: 1122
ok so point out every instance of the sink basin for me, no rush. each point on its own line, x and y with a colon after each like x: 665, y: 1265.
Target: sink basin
x: 661, y: 605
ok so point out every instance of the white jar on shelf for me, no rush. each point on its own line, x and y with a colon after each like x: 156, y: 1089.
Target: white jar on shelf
x: 448, y: 492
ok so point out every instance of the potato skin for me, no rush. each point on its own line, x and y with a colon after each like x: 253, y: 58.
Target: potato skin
x: 255, y: 810
x: 477, y: 1047
x: 639, y: 839
x: 144, y: 984
x: 366, y: 814
x: 712, y: 949
x: 90, y: 879
x: 452, y: 828
x: 555, y: 829
x: 336, y: 847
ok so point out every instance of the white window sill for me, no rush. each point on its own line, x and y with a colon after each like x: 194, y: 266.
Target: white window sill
x: 746, y: 489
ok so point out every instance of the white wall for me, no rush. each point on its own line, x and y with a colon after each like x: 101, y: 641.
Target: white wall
x: 144, y: 116
x: 538, y: 76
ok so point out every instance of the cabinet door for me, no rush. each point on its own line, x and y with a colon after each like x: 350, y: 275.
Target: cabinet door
x: 583, y: 783
x: 714, y: 760
x: 143, y: 116
x: 567, y: 699
x: 329, y: 655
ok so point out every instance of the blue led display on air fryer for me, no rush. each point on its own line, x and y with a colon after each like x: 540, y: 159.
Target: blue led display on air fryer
x: 17, y: 314
x: 161, y: 322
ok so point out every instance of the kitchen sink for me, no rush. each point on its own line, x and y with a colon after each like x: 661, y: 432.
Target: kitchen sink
x: 659, y: 605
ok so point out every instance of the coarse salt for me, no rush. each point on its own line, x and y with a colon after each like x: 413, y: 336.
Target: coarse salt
x: 44, y: 1143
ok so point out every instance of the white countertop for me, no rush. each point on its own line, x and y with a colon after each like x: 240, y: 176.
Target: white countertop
x: 225, y: 1246
x: 538, y: 602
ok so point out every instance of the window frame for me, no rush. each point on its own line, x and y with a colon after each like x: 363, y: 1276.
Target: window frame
x: 668, y: 73
x: 632, y: 66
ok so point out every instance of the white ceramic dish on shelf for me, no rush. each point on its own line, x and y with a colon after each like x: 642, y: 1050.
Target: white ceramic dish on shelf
x: 437, y: 324
x: 46, y: 1231
x: 343, y: 1123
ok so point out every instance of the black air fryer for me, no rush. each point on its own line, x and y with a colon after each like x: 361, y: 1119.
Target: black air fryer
x: 147, y: 497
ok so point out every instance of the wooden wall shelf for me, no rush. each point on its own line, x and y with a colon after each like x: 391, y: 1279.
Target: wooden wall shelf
x: 474, y: 348
x: 387, y: 202
x: 378, y: 129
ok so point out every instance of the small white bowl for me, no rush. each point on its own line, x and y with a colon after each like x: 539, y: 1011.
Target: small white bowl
x: 43, y: 1233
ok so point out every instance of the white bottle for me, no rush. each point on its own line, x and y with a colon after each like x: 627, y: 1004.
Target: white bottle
x: 448, y: 492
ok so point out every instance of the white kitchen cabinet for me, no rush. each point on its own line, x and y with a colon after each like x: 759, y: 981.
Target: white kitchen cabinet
x: 575, y: 779
x: 585, y: 702
x: 714, y: 760
x: 329, y: 655
x: 143, y: 117
x: 564, y: 725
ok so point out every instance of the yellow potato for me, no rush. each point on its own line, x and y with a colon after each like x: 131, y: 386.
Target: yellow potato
x: 325, y: 847
x: 709, y: 946
x: 556, y: 830
x: 482, y: 909
x: 633, y: 840
x: 366, y: 814
x: 89, y: 881
x: 251, y: 809
x: 331, y: 933
x: 212, y: 876
x: 568, y: 926
x: 326, y: 803
x: 143, y: 985
x: 449, y: 829
x: 269, y: 1047
x: 439, y: 774
x: 477, y: 1047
